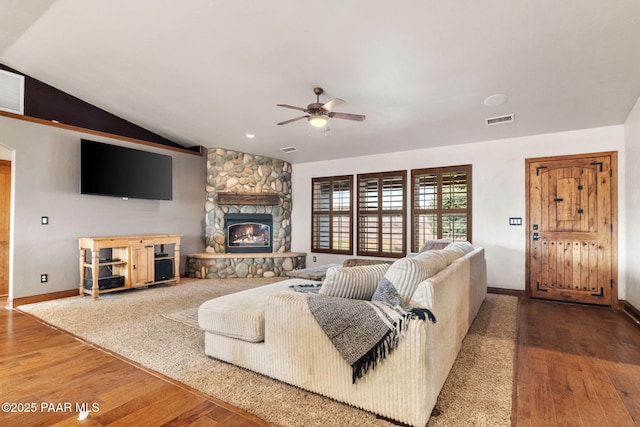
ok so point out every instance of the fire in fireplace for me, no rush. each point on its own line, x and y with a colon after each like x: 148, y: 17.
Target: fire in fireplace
x: 248, y: 233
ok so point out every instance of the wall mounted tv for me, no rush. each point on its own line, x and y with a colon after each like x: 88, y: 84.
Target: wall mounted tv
x: 110, y: 170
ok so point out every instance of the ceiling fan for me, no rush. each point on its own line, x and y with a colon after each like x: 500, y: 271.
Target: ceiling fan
x: 317, y: 113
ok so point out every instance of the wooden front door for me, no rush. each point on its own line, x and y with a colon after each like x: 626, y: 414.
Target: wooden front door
x: 5, y: 209
x: 572, y: 226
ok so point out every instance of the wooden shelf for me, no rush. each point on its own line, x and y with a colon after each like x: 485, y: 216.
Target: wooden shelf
x: 105, y: 291
x: 197, y: 151
x: 105, y: 264
x: 136, y: 260
x: 248, y: 199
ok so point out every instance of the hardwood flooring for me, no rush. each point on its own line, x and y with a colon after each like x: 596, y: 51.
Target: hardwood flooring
x: 576, y: 366
x: 47, y: 374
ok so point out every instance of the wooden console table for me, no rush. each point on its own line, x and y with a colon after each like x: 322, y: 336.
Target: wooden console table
x: 125, y: 262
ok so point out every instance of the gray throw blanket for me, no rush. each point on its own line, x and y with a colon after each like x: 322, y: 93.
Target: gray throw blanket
x: 364, y: 332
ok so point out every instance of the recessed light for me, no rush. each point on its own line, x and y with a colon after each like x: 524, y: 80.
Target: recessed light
x: 250, y: 135
x: 495, y: 100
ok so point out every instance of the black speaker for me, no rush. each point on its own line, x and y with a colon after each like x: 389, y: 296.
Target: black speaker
x: 163, y: 269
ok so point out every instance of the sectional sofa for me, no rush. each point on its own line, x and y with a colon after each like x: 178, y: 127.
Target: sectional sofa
x: 271, y: 330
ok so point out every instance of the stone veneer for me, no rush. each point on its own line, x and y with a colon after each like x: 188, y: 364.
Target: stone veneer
x: 221, y: 266
x: 235, y: 172
x: 241, y: 173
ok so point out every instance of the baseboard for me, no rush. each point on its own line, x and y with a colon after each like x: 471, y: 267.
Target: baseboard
x: 15, y: 302
x: 501, y: 291
x: 633, y: 312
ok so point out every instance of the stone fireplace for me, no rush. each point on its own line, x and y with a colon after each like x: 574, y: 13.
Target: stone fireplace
x: 245, y: 189
x: 242, y: 183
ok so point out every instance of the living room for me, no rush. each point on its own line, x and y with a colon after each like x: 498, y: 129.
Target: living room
x: 46, y: 167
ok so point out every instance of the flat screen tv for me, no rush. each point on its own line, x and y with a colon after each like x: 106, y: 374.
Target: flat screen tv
x: 110, y: 170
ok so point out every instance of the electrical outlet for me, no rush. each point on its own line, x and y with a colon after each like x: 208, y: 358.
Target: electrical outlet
x: 314, y: 259
x: 44, y: 220
x: 44, y: 278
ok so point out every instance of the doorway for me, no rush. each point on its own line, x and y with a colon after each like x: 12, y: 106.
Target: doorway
x: 572, y: 228
x: 5, y: 215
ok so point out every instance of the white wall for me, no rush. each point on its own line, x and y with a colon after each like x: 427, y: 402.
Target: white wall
x: 5, y: 153
x: 46, y: 182
x: 498, y: 191
x: 632, y: 162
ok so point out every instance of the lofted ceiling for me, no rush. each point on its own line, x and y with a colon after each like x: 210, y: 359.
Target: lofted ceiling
x: 206, y: 72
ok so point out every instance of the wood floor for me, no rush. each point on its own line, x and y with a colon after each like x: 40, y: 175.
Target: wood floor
x: 41, y: 365
x: 576, y: 366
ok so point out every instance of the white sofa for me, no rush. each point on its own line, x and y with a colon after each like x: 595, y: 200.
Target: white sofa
x: 270, y: 330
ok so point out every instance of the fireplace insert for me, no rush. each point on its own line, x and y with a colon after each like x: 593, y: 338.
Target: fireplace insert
x: 248, y: 233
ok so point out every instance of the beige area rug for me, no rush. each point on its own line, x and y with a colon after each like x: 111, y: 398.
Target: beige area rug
x: 189, y: 317
x: 141, y: 325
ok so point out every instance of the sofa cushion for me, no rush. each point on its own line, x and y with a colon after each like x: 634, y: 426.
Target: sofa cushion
x: 353, y: 282
x: 240, y: 315
x: 406, y: 273
x: 456, y: 250
x: 451, y: 253
x: 430, y: 245
x: 464, y: 245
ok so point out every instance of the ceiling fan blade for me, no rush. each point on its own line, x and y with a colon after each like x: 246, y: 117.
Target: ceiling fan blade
x: 292, y: 107
x: 333, y: 103
x: 292, y: 120
x: 347, y: 116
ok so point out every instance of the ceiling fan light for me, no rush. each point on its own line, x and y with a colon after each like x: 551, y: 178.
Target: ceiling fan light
x: 317, y: 121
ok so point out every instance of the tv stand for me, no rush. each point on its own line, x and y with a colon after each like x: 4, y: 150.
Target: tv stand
x: 109, y: 264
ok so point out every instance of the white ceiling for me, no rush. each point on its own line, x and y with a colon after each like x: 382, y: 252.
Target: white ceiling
x: 205, y: 72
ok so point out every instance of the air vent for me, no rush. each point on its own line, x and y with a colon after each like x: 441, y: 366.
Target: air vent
x: 11, y: 92
x: 509, y: 118
x: 289, y: 149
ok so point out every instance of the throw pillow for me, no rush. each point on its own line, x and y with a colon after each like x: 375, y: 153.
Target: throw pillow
x: 456, y: 250
x: 386, y: 292
x: 430, y: 245
x: 465, y: 246
x: 406, y: 273
x: 451, y: 253
x: 353, y: 282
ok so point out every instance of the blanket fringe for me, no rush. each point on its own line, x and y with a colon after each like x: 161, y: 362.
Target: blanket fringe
x: 423, y: 313
x: 378, y: 352
x: 388, y: 343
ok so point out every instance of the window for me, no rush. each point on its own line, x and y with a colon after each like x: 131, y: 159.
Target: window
x: 441, y: 204
x: 381, y: 214
x: 332, y: 215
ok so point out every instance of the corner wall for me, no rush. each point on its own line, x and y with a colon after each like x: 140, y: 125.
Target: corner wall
x: 498, y: 192
x: 632, y: 161
x: 46, y: 182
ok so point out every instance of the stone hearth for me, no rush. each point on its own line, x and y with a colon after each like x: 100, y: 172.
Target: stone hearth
x: 221, y: 266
